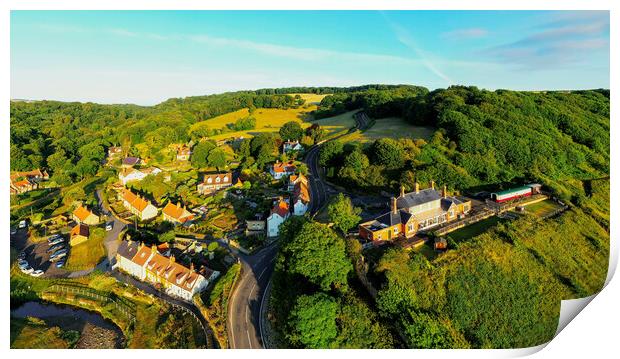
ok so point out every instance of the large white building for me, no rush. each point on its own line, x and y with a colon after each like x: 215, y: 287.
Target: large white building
x: 127, y: 175
x: 279, y: 213
x: 147, y: 264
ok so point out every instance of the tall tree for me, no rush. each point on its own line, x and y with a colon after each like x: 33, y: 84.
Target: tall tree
x: 318, y: 253
x: 342, y: 213
x: 313, y: 320
x: 291, y: 131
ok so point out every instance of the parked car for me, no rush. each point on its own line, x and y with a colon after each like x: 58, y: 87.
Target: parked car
x: 22, y: 224
x: 109, y: 226
x: 13, y: 231
x: 37, y: 273
x: 27, y: 269
x: 53, y: 237
x: 56, y: 241
x: 55, y: 247
x: 21, y: 256
x: 61, y: 262
x: 57, y: 255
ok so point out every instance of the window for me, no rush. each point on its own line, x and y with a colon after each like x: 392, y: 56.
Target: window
x: 209, y: 180
x: 217, y: 180
x: 378, y: 236
x: 395, y: 230
x: 410, y: 228
x: 225, y: 178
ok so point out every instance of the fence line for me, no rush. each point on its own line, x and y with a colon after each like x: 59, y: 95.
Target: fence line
x: 124, y: 308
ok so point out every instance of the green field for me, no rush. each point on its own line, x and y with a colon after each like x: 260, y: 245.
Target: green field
x: 270, y: 120
x: 267, y: 120
x: 392, y: 127
x: 311, y: 98
x: 475, y: 229
x: 542, y: 208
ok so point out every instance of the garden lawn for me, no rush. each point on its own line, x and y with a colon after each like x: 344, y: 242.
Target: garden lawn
x: 542, y: 208
x: 475, y: 229
x: 88, y: 254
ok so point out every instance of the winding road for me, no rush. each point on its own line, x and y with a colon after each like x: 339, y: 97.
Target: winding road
x: 248, y: 298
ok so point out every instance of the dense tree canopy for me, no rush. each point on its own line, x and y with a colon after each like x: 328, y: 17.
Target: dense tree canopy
x: 342, y: 213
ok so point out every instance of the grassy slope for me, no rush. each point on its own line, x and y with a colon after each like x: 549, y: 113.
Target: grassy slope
x: 392, y: 127
x: 88, y: 254
x: 270, y: 120
x: 33, y: 333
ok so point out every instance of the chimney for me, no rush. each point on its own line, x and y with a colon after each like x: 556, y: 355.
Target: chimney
x: 417, y: 187
x: 394, y: 207
x: 154, y: 249
x: 432, y: 184
x: 402, y: 190
x: 172, y: 259
x: 191, y: 266
x: 444, y: 193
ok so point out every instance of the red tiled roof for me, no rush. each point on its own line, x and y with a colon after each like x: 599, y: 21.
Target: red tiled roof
x: 22, y: 183
x: 142, y: 255
x: 177, y: 212
x: 281, y: 208
x: 82, y: 213
x: 136, y: 202
x: 224, y: 178
x: 301, y: 192
x: 284, y: 167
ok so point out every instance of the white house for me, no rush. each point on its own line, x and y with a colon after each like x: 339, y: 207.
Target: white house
x: 279, y: 213
x: 281, y: 169
x: 291, y: 146
x: 127, y: 175
x: 301, y: 198
x: 147, y: 264
x: 137, y: 205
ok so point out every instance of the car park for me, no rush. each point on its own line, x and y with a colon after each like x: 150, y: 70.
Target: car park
x: 56, y: 241
x: 37, y: 273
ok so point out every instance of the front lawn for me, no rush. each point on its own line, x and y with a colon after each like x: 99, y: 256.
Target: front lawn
x: 475, y: 229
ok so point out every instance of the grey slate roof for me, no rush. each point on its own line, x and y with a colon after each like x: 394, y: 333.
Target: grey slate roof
x: 413, y: 199
x: 391, y: 218
x: 130, y: 160
x: 128, y: 249
x: 447, y: 202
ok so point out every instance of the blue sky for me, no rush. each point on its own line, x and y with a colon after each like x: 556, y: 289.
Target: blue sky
x: 145, y: 57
